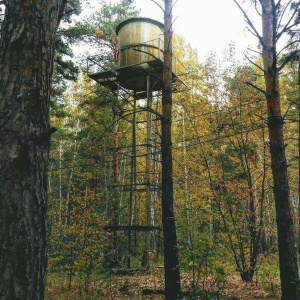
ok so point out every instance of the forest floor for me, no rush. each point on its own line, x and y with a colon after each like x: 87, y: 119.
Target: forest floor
x: 142, y: 286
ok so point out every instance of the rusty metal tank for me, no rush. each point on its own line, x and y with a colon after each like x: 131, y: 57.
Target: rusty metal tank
x: 140, y: 42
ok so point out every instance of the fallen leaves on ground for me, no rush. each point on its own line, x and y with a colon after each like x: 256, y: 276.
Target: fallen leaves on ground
x: 141, y: 286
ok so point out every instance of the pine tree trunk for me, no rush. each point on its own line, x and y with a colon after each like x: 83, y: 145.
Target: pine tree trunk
x: 171, y: 264
x: 285, y: 223
x: 26, y: 59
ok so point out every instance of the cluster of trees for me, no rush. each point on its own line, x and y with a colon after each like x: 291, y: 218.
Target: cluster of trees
x: 233, y: 197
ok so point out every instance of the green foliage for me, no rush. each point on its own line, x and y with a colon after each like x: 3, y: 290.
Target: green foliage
x: 64, y: 69
x: 110, y: 16
x: 223, y: 201
x: 99, y: 29
x: 268, y: 273
x: 78, y: 240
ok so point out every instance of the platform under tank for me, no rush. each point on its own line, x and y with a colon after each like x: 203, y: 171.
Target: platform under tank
x: 140, y: 42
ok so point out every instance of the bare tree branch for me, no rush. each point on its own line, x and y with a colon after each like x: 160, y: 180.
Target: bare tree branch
x: 174, y: 3
x: 256, y: 87
x: 256, y: 9
x: 288, y: 46
x: 290, y: 105
x: 158, y: 5
x: 249, y: 22
x: 257, y: 52
x: 280, y: 15
x: 288, y: 24
x: 253, y: 63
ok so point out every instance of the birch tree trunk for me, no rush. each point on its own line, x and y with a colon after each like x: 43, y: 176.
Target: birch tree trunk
x: 285, y: 224
x: 26, y: 60
x: 171, y: 264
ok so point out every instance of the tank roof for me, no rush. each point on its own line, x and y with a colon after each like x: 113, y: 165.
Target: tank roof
x: 147, y: 20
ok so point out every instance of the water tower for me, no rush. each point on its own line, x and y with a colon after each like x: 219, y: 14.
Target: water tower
x: 133, y: 204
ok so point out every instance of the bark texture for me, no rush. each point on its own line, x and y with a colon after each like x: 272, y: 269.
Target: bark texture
x: 26, y: 59
x: 171, y: 264
x: 285, y: 224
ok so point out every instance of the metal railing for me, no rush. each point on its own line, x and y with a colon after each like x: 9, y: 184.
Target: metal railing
x: 100, y: 63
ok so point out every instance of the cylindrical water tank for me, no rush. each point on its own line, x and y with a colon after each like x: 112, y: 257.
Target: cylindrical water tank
x: 140, y: 40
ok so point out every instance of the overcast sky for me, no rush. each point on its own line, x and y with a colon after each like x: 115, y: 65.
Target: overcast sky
x: 208, y: 25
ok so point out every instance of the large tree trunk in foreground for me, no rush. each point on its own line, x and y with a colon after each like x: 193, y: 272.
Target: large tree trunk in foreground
x: 285, y: 223
x: 26, y: 59
x: 171, y: 264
